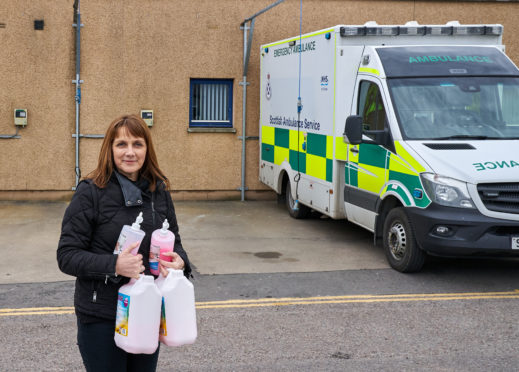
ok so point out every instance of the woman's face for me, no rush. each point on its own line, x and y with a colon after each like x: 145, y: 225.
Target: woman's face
x: 129, y: 153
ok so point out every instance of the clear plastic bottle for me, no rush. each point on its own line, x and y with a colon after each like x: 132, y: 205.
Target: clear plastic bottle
x: 129, y: 235
x: 138, y: 316
x: 162, y: 240
x: 178, y: 319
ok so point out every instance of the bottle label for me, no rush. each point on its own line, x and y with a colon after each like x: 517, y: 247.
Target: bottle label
x: 123, y: 312
x: 154, y: 266
x: 163, y: 329
x: 154, y: 258
x: 120, y: 243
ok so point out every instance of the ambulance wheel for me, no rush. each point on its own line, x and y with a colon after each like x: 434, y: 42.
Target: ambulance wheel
x: 302, y: 211
x: 400, y: 246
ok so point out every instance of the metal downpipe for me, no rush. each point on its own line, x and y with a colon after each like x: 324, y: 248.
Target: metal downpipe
x: 78, y: 83
x: 244, y: 83
x: 243, y: 154
x: 247, y: 43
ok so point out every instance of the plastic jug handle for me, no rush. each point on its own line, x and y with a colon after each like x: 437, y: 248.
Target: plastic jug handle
x: 172, y: 273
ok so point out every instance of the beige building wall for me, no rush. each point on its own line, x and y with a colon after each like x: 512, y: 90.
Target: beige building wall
x: 141, y: 54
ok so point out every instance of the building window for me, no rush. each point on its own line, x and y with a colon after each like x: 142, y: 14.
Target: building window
x: 210, y: 102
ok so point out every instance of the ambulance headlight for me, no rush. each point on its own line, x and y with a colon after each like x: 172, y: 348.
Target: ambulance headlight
x: 446, y: 191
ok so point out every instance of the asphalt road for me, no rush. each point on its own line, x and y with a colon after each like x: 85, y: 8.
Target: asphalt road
x: 455, y: 315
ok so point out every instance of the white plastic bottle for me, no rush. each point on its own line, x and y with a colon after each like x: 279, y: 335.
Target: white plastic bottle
x: 162, y: 240
x: 138, y: 316
x: 178, y: 319
x: 129, y: 235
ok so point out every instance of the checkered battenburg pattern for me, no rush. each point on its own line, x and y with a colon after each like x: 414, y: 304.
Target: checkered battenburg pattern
x: 308, y: 153
x: 372, y: 169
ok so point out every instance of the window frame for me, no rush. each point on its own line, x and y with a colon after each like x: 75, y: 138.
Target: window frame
x: 378, y: 101
x: 211, y: 123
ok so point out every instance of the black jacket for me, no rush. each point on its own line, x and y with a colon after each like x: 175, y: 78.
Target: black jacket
x: 89, y: 233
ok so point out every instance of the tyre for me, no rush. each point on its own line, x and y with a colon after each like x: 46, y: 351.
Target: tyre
x: 302, y: 211
x: 400, y: 246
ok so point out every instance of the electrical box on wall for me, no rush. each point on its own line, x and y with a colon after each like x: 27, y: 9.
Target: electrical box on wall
x: 147, y: 116
x: 20, y: 117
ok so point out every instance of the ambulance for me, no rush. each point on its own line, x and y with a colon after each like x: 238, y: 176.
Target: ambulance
x: 410, y: 131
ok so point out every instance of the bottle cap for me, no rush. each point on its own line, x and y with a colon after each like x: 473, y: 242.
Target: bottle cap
x: 164, y: 230
x: 137, y: 224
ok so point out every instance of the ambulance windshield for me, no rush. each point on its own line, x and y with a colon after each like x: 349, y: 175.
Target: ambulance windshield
x: 446, y: 108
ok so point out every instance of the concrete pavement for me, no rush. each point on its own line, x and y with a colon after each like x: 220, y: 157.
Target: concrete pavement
x: 221, y: 237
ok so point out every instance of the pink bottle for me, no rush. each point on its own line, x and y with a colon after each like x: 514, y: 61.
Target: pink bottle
x: 162, y: 240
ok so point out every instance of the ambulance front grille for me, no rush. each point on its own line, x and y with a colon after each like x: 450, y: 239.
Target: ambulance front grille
x: 500, y: 197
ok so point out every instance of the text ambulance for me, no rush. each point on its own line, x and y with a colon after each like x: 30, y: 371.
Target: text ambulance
x: 411, y: 132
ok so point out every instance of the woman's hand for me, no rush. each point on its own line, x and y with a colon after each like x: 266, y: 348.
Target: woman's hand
x: 176, y: 263
x: 129, y: 265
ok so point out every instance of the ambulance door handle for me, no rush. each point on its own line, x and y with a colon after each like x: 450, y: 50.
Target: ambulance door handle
x: 354, y: 150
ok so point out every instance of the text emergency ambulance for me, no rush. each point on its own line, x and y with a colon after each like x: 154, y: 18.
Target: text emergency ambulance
x: 411, y: 132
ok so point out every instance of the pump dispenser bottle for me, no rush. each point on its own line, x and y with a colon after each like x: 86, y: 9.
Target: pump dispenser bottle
x: 129, y: 235
x: 162, y: 240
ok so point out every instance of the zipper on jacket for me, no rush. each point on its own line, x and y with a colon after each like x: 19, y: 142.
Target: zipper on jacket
x: 94, y: 291
x: 153, y: 208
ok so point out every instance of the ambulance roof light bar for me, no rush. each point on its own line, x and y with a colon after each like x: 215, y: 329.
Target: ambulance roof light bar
x: 414, y: 29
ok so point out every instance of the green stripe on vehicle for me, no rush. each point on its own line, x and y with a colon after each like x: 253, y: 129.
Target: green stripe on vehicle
x: 316, y: 144
x: 298, y: 162
x: 372, y: 155
x: 282, y: 138
x: 329, y: 170
x: 267, y: 152
x: 411, y: 182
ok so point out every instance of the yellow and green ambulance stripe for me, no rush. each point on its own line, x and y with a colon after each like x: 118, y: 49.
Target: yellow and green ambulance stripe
x: 379, y: 171
x: 311, y: 154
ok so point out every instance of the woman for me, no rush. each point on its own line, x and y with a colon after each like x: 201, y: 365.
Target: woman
x: 127, y: 181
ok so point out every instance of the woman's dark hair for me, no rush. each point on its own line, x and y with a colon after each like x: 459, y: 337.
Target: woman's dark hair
x: 136, y: 127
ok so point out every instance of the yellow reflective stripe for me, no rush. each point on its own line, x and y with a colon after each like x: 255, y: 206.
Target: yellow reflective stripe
x: 281, y: 154
x: 316, y: 166
x: 329, y: 147
x: 369, y: 70
x: 297, y: 38
x: 340, y: 149
x: 373, y: 182
x: 267, y: 135
x: 396, y: 164
x: 293, y: 140
x: 408, y: 158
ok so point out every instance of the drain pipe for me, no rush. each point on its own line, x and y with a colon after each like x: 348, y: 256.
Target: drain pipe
x: 77, y: 24
x: 247, y: 43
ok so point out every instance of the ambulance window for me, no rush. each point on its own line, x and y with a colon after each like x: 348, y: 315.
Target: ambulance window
x: 371, y: 107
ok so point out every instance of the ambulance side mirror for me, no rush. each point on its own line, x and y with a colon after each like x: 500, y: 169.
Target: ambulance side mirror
x: 353, y: 130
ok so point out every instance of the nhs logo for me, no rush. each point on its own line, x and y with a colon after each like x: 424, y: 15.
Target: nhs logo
x: 324, y: 82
